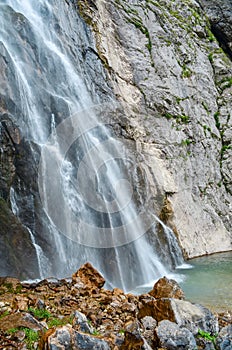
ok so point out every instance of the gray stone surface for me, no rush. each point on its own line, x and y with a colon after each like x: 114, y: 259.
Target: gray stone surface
x: 224, y: 339
x: 194, y: 317
x: 173, y: 80
x: 171, y: 336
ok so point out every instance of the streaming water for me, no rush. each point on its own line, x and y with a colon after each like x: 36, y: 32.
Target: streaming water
x: 84, y: 173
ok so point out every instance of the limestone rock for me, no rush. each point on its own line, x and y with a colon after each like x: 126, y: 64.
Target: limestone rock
x: 166, y: 288
x: 170, y: 336
x: 160, y: 309
x: 184, y: 313
x: 224, y: 339
x: 194, y: 317
x: 133, y: 339
x: 20, y: 320
x: 81, y: 323
x: 221, y: 21
x: 89, y: 276
x: 149, y: 325
x: 66, y: 338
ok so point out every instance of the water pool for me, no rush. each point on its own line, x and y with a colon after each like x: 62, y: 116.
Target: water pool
x: 209, y: 282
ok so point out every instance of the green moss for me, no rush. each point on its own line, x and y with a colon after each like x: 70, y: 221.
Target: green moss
x: 210, y: 57
x: 186, y: 72
x: 210, y: 35
x: 186, y: 142
x: 217, y: 121
x: 180, y: 118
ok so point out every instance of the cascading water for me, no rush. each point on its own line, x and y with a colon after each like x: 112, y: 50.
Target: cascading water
x: 88, y: 212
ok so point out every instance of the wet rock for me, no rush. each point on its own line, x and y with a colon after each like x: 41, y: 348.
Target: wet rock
x: 16, y: 248
x: 224, y: 339
x: 170, y: 336
x: 89, y: 277
x: 166, y: 288
x: 20, y: 320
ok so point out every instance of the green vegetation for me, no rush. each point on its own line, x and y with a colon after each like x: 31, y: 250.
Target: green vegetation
x: 30, y: 336
x: 217, y: 121
x: 40, y: 314
x: 54, y: 322
x: 5, y: 313
x: 210, y: 35
x: 186, y: 142
x: 180, y: 118
x: 210, y: 57
x: 206, y: 335
x: 186, y: 72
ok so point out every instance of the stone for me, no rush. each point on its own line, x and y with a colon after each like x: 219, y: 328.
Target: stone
x: 80, y: 321
x: 133, y: 339
x: 21, y: 303
x: 20, y: 320
x: 65, y: 338
x: 159, y: 309
x: 170, y: 336
x: 184, y: 313
x: 224, y: 339
x: 149, y: 324
x: 86, y: 342
x: 166, y: 288
x: 194, y: 317
x: 89, y: 276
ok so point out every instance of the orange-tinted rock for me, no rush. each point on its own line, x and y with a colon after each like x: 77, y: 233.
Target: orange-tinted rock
x: 160, y: 309
x: 19, y: 320
x: 89, y: 276
x: 166, y: 288
x: 20, y: 303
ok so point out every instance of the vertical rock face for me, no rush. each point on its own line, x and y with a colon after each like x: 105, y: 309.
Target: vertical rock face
x: 174, y: 81
x: 163, y: 64
x: 220, y: 17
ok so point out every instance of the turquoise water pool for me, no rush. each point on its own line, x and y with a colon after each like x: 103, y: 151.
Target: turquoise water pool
x: 209, y: 282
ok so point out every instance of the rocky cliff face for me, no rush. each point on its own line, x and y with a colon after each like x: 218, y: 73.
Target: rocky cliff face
x: 173, y: 78
x: 169, y: 66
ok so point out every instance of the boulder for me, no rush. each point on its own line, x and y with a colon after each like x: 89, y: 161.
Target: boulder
x: 170, y: 336
x: 81, y: 323
x: 224, y: 339
x: 67, y: 338
x: 166, y: 288
x: 184, y: 313
x: 194, y: 317
x: 133, y: 339
x: 20, y: 320
x: 149, y: 324
x: 89, y: 277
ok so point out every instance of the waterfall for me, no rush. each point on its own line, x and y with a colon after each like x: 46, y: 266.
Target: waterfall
x: 84, y: 174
